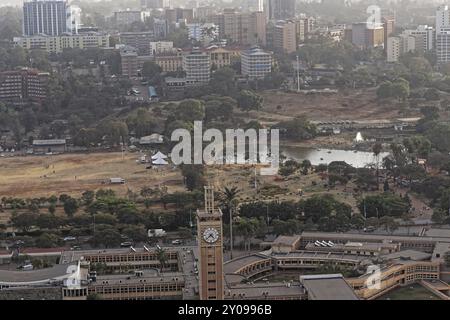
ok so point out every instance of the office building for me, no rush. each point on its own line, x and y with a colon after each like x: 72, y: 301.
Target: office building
x: 242, y: 28
x: 443, y: 46
x: 139, y: 40
x: 397, y: 46
x: 178, y: 15
x: 204, y: 13
x: 44, y: 17
x: 389, y: 28
x: 23, y: 85
x: 127, y: 17
x: 169, y: 60
x: 157, y: 47
x: 132, y: 62
x: 365, y: 36
x: 256, y: 63
x: 257, y: 28
x: 442, y: 18
x: 425, y: 38
x: 443, y: 34
x: 281, y: 9
x: 222, y: 57
x: 128, y: 56
x: 197, y: 65
x: 155, y: 4
x: 285, y: 38
x: 56, y: 44
x: 73, y: 22
x: 160, y: 28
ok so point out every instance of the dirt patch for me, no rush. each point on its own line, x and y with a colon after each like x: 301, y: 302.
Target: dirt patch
x: 350, y: 105
x: 36, y: 176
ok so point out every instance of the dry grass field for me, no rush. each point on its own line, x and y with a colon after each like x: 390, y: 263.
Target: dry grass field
x: 354, y: 105
x: 36, y: 176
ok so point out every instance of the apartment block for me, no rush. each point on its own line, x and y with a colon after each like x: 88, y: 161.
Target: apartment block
x: 56, y: 44
x: 285, y: 38
x: 197, y: 65
x: 256, y: 63
x: 23, y: 85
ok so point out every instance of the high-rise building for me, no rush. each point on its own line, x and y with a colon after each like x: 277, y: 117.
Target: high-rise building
x: 396, y: 46
x: 242, y: 28
x: 285, y: 39
x: 160, y: 28
x: 257, y: 28
x: 443, y: 34
x: 129, y: 61
x: 47, y: 17
x: 132, y: 62
x: 425, y: 38
x: 23, y: 85
x: 281, y: 9
x: 389, y: 28
x: 256, y: 63
x: 442, y: 18
x: 127, y: 17
x: 176, y: 15
x: 364, y: 36
x: 210, y: 243
x: 443, y: 47
x: 155, y: 4
x: 73, y: 21
x: 197, y: 65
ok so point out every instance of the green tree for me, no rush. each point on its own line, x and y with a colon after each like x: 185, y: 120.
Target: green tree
x: 70, y: 206
x: 162, y: 257
x: 249, y: 100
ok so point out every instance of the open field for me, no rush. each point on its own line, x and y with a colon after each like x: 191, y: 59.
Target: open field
x: 354, y: 105
x: 36, y: 176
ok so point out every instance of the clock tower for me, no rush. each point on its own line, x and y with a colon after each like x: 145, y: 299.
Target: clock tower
x: 210, y: 242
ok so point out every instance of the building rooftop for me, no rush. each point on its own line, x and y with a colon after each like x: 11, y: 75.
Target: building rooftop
x: 40, y: 276
x: 50, y: 142
x: 286, y: 240
x: 266, y: 290
x: 328, y: 287
x: 408, y: 255
x: 234, y: 265
x: 147, y: 276
x: 368, y: 237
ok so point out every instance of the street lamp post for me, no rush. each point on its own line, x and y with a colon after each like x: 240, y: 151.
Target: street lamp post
x: 231, y: 233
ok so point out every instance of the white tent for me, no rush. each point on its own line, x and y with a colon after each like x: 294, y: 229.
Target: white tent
x: 160, y: 162
x: 159, y: 155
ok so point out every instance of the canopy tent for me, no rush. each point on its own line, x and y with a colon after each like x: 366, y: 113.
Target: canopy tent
x: 159, y: 155
x: 160, y: 161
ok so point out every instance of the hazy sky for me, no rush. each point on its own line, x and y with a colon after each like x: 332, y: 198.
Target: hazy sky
x: 20, y: 2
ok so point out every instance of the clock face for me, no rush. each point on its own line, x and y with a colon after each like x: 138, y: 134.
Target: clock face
x: 210, y: 235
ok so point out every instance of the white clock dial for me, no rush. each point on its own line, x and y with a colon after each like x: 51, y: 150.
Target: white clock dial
x: 210, y: 235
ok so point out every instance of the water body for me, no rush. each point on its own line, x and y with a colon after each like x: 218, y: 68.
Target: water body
x: 317, y: 156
